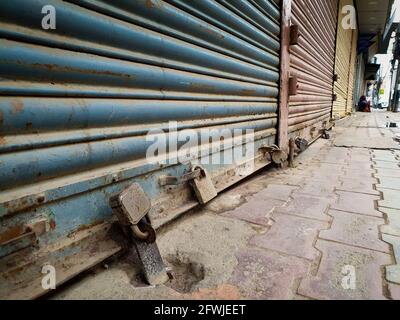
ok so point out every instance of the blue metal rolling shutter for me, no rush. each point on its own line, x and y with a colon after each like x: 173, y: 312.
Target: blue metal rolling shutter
x: 76, y: 103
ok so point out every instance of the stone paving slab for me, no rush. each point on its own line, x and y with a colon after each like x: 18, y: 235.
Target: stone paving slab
x: 382, y: 153
x: 275, y: 191
x: 264, y: 274
x: 387, y: 173
x: 389, y: 158
x: 291, y: 235
x: 359, y: 185
x: 357, y: 203
x: 319, y: 187
x: 391, y: 198
x: 255, y: 211
x: 393, y: 271
x: 386, y: 165
x: 337, y: 266
x: 356, y: 230
x: 389, y: 183
x: 393, y: 226
x: 353, y: 173
x: 307, y: 207
x: 360, y: 165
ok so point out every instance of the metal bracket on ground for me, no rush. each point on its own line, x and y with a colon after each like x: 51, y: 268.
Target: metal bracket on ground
x: 132, y: 206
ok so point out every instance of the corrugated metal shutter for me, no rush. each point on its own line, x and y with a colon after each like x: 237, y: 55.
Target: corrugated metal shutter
x: 312, y: 61
x: 351, y: 100
x: 360, y: 79
x: 343, y: 64
x: 77, y: 101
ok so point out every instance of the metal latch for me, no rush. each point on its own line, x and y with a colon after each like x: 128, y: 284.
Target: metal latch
x: 200, y: 181
x: 301, y: 143
x: 293, y: 85
x: 278, y: 156
x: 23, y: 236
x: 294, y: 34
x: 132, y: 206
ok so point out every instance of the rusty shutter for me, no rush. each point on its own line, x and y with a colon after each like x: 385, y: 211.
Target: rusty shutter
x: 76, y: 103
x: 312, y: 63
x: 344, y: 66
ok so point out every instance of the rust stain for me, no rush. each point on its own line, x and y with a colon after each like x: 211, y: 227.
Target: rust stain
x: 248, y: 92
x: 53, y: 224
x: 12, y: 233
x: 84, y: 227
x: 150, y: 4
x: 1, y: 118
x: 17, y: 106
x: 54, y: 67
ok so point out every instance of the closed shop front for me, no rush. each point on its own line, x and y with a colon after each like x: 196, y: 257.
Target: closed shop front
x: 77, y: 102
x: 345, y: 63
x: 312, y: 60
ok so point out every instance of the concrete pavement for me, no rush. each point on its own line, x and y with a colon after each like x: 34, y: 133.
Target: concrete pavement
x: 327, y: 229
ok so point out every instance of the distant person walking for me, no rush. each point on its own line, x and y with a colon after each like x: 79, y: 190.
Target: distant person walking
x: 364, y: 105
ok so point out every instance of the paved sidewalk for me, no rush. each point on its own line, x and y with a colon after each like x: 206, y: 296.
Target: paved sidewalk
x: 327, y: 229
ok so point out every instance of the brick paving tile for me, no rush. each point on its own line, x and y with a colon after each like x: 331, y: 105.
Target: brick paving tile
x: 354, y: 173
x: 393, y: 226
x: 357, y: 203
x: 387, y: 173
x: 255, y: 211
x: 263, y: 274
x: 337, y: 266
x: 391, y: 158
x: 355, y: 229
x: 307, y: 206
x: 291, y: 235
x: 382, y: 153
x: 275, y: 191
x: 319, y: 187
x: 359, y: 165
x: 359, y: 185
x: 391, y: 198
x: 389, y: 183
x: 386, y: 165
x: 393, y: 271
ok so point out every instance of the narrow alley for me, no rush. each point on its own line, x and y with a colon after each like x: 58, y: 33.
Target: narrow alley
x: 285, y: 234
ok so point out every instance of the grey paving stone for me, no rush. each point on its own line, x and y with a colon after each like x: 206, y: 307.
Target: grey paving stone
x: 393, y: 226
x: 336, y: 263
x: 291, y: 235
x: 386, y: 165
x: 393, y: 271
x: 356, y: 230
x: 306, y: 206
x: 357, y: 203
x: 264, y: 274
x: 389, y: 183
x: 391, y: 198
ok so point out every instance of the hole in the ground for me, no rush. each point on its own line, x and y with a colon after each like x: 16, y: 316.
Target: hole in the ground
x: 185, y: 273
